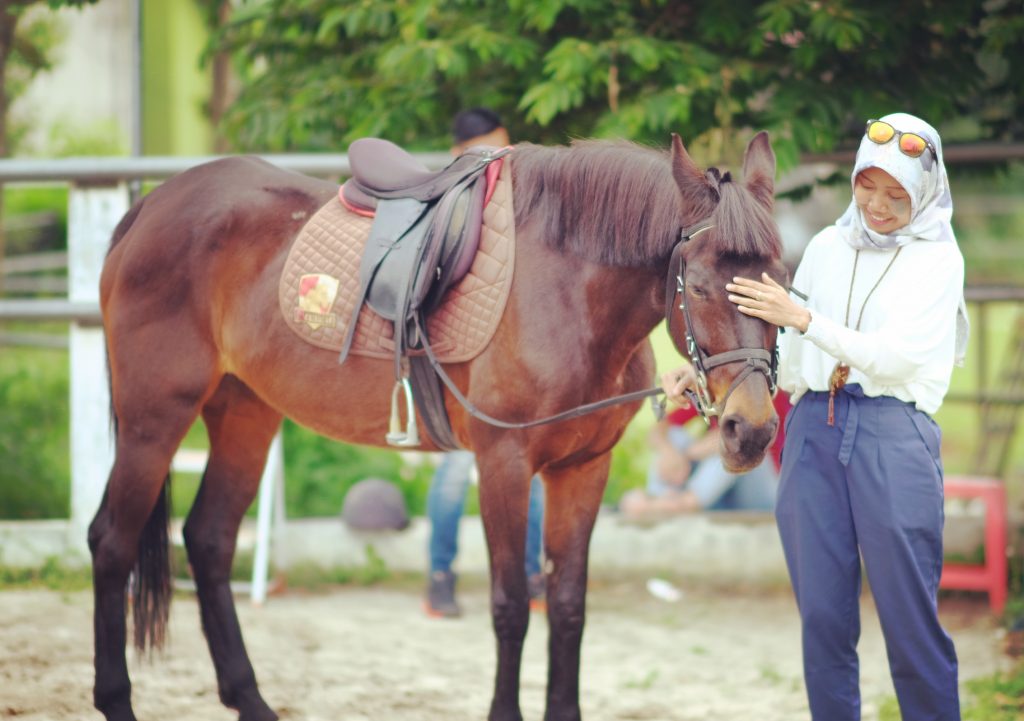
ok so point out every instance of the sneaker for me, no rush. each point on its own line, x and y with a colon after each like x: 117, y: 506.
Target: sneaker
x: 441, y: 595
x: 536, y: 586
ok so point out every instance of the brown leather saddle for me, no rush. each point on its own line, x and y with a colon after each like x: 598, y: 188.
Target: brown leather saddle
x: 424, y: 236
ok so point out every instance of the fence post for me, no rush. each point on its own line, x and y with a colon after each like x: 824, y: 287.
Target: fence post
x: 93, y: 213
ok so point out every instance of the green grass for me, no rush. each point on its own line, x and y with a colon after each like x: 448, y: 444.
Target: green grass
x: 996, y: 698
x: 52, y: 575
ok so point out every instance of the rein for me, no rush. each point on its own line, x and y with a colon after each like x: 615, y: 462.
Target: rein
x: 565, y: 415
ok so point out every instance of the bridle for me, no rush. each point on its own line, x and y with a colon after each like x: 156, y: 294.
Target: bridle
x: 757, y: 360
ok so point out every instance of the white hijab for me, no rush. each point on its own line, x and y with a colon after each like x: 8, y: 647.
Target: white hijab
x: 931, y: 203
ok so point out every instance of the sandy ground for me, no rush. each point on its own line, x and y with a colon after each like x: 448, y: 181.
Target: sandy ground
x: 356, y: 654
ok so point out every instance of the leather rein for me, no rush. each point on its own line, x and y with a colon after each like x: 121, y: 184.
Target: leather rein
x: 757, y: 359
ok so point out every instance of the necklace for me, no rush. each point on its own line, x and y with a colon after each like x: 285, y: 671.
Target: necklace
x: 841, y: 372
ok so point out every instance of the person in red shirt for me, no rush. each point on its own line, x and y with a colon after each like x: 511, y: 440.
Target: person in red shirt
x: 686, y: 473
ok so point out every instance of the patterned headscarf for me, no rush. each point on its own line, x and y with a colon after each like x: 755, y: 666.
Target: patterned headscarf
x: 931, y: 203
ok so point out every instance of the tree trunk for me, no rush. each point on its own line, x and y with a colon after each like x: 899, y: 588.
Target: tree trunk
x: 8, y: 21
x: 220, y: 94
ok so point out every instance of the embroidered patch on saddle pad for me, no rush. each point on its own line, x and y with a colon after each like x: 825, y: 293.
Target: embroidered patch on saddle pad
x: 320, y: 282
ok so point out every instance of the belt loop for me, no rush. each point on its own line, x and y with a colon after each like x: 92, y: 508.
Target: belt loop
x: 849, y: 429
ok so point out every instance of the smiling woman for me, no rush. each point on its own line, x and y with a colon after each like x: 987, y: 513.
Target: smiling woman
x: 883, y: 202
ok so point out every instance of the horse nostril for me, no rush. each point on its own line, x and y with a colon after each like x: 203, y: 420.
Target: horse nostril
x: 731, y: 427
x: 740, y: 436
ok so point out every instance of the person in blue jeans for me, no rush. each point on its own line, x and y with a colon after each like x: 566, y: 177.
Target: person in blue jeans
x: 446, y: 501
x: 447, y: 496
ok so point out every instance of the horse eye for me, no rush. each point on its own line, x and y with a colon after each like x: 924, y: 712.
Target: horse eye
x: 698, y: 292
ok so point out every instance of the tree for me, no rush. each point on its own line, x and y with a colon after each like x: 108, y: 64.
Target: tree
x: 316, y: 74
x: 24, y: 51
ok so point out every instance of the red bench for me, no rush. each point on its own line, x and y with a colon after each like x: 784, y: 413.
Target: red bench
x: 991, y: 576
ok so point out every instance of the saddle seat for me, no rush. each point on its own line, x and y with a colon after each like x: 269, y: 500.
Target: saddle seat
x: 380, y: 165
x: 382, y: 170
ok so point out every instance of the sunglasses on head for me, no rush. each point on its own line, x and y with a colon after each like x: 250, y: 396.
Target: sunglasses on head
x: 910, y: 144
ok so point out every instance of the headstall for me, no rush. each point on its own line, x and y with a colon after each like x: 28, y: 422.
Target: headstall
x: 755, y: 359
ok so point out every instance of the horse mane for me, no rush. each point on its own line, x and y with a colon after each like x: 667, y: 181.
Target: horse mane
x: 616, y: 203
x: 743, y: 226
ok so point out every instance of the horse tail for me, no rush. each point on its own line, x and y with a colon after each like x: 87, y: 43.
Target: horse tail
x: 150, y: 582
x: 151, y: 577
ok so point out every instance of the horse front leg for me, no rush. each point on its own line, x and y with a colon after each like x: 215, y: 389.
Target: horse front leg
x: 504, y: 506
x: 572, y: 500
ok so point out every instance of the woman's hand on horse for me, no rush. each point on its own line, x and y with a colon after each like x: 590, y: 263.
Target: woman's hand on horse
x: 677, y: 381
x: 768, y: 301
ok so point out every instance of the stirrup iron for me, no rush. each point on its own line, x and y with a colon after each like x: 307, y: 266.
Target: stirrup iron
x: 396, y: 436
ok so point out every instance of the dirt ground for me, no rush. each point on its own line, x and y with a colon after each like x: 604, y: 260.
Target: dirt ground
x: 357, y: 654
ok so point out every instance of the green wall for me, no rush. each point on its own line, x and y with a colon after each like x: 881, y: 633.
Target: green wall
x: 174, y: 87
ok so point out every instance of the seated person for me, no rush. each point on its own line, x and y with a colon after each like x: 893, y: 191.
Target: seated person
x: 686, y: 473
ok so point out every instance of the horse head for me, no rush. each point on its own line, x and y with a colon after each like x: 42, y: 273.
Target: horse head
x: 727, y: 231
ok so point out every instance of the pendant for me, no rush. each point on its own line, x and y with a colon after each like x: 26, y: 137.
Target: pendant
x: 837, y: 380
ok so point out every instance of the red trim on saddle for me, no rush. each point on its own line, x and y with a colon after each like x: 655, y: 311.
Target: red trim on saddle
x: 491, y: 174
x: 365, y: 212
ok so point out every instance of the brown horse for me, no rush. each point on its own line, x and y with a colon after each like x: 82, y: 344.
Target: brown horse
x: 189, y: 299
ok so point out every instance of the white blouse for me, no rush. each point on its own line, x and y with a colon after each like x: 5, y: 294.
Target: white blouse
x: 906, y: 342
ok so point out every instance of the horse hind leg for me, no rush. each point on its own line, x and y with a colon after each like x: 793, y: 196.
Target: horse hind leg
x: 241, y: 428
x: 130, y: 530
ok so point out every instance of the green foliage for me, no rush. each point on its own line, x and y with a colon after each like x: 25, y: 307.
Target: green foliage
x: 35, y: 218
x: 51, y: 574
x: 320, y: 471
x: 34, y: 454
x: 996, y: 698
x: 68, y: 138
x: 316, y: 74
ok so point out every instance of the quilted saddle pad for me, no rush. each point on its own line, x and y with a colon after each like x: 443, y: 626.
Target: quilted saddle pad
x: 320, y: 283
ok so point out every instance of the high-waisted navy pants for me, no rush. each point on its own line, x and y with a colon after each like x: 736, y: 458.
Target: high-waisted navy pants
x: 872, y: 482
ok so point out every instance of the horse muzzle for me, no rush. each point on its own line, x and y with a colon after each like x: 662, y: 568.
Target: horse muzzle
x: 745, y: 442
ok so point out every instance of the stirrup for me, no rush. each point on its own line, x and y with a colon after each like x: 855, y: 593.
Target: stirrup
x: 395, y: 435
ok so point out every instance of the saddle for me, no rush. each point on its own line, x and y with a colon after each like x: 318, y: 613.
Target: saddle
x: 425, y: 233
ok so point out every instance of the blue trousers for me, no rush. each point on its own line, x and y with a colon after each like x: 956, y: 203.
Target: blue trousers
x: 872, y: 482
x: 446, y: 500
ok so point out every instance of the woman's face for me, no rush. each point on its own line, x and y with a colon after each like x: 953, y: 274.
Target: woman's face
x: 882, y: 201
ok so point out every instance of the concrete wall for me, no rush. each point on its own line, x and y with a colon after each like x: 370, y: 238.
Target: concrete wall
x: 718, y: 547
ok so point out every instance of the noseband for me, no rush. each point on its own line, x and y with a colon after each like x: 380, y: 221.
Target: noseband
x: 757, y: 360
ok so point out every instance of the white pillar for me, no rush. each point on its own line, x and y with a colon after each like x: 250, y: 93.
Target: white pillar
x: 93, y: 213
x: 270, y: 485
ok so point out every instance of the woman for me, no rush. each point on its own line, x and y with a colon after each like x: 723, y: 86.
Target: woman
x: 868, y: 361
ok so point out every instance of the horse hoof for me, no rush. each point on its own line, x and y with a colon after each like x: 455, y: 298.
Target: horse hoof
x: 264, y: 714
x: 119, y: 712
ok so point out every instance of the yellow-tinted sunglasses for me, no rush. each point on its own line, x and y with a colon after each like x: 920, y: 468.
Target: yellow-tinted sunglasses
x: 910, y: 144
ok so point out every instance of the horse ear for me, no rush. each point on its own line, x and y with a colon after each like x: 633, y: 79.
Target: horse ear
x: 684, y: 170
x: 759, y: 169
